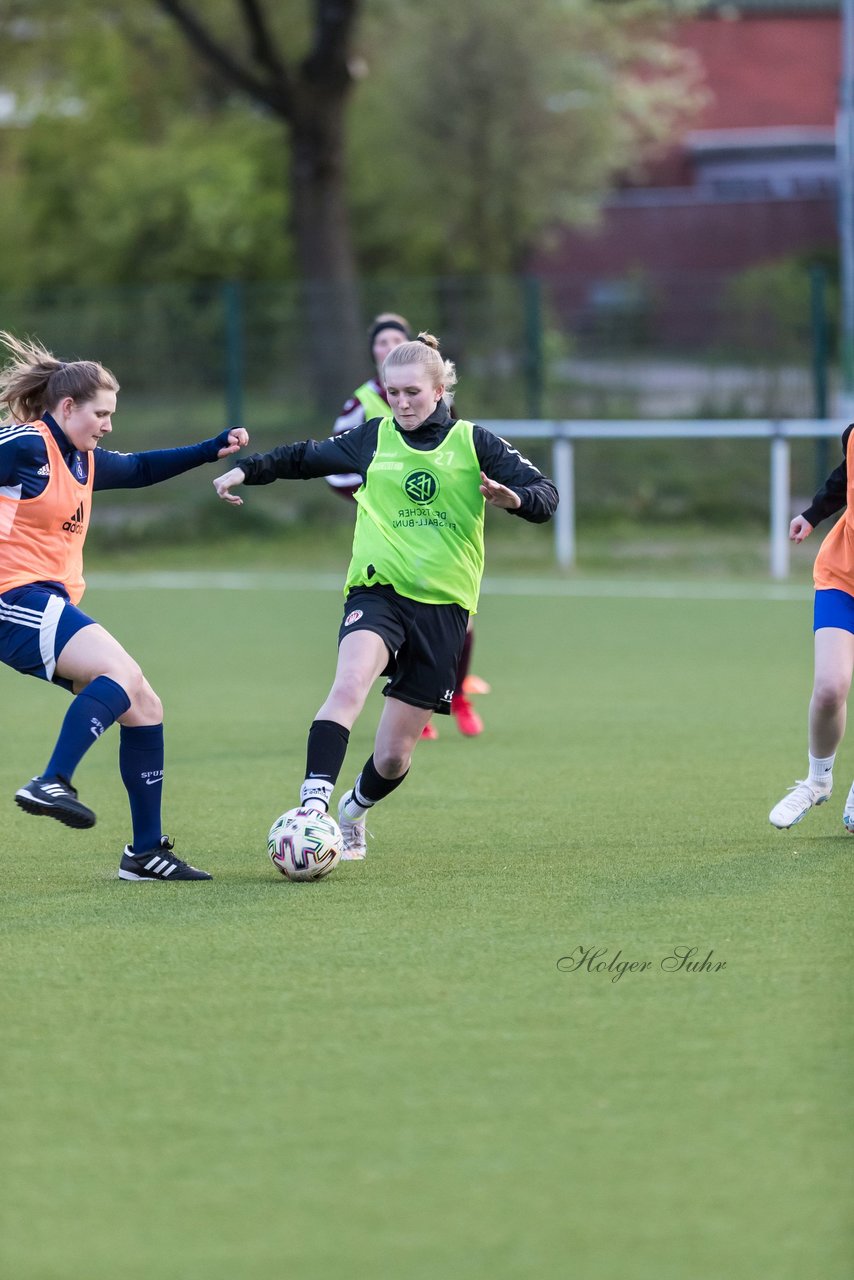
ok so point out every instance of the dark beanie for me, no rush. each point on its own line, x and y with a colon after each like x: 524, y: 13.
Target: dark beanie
x: 387, y: 324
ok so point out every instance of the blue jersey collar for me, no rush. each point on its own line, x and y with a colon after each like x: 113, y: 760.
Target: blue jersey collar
x: 78, y: 463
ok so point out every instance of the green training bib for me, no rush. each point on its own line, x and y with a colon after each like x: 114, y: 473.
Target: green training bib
x: 419, y: 525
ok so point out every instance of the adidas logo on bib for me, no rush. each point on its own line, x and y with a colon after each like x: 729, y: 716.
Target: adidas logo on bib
x: 75, y: 523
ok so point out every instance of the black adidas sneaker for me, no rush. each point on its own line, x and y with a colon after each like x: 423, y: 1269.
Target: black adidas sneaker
x: 54, y: 798
x: 158, y: 864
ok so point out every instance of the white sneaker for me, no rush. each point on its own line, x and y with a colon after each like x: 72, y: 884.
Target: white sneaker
x: 797, y: 803
x: 355, y: 840
x: 848, y: 811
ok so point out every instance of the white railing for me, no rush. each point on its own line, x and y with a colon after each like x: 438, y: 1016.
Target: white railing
x: 563, y: 435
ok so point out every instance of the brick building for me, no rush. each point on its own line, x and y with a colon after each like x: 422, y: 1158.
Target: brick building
x: 754, y: 180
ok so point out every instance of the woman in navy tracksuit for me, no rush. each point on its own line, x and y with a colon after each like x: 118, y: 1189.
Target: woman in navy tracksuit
x: 51, y: 463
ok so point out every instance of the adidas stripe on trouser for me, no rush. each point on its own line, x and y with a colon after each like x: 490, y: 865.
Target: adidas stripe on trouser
x: 35, y: 626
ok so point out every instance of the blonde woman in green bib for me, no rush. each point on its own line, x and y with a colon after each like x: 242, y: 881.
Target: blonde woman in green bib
x: 416, y: 568
x: 387, y: 331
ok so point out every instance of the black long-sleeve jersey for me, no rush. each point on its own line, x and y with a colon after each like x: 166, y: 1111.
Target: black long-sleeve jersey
x: 833, y: 494
x: 352, y: 451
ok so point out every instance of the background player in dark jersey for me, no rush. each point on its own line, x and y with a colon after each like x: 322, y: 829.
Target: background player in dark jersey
x: 51, y: 462
x: 415, y: 573
x: 389, y: 330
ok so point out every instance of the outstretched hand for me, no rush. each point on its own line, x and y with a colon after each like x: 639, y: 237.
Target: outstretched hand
x: 224, y: 484
x: 238, y: 438
x: 799, y: 529
x: 498, y: 495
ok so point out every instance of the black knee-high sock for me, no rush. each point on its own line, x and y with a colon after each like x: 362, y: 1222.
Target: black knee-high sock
x: 372, y: 786
x: 327, y: 747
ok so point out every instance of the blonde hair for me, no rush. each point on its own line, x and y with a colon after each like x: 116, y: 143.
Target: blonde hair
x: 34, y: 380
x: 424, y: 351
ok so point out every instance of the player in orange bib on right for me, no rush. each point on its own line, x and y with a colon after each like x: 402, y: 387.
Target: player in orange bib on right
x: 834, y: 642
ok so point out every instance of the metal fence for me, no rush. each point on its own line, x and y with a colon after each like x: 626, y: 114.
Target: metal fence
x: 559, y: 347
x: 563, y: 437
x: 668, y: 356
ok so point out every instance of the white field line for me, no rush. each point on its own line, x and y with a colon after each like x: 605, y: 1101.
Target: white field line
x: 581, y: 588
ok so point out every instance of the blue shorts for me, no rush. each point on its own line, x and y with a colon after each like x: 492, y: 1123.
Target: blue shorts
x: 833, y: 608
x: 36, y: 623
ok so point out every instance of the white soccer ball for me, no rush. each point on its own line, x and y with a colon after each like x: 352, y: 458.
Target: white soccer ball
x: 304, y: 844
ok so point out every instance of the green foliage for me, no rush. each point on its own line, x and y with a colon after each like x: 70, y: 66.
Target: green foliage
x: 475, y: 130
x: 130, y: 168
x: 770, y: 307
x: 189, y: 206
x: 132, y: 161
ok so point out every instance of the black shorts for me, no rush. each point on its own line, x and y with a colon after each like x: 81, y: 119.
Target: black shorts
x: 424, y: 642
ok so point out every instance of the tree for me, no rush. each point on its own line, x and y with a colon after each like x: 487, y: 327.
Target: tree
x: 209, y: 143
x: 505, y: 122
x: 121, y: 163
x: 309, y: 98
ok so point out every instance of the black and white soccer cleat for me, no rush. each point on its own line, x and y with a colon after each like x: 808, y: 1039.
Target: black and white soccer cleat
x: 158, y: 864
x: 54, y: 798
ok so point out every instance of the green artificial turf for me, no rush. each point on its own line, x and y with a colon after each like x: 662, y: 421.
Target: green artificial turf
x: 387, y: 1074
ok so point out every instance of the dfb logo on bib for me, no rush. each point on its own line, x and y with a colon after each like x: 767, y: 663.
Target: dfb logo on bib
x: 421, y: 487
x: 352, y: 617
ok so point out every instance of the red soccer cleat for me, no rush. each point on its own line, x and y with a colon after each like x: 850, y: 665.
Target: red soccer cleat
x: 468, y: 721
x: 429, y: 733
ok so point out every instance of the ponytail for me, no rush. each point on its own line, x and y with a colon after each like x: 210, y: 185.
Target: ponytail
x: 33, y: 380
